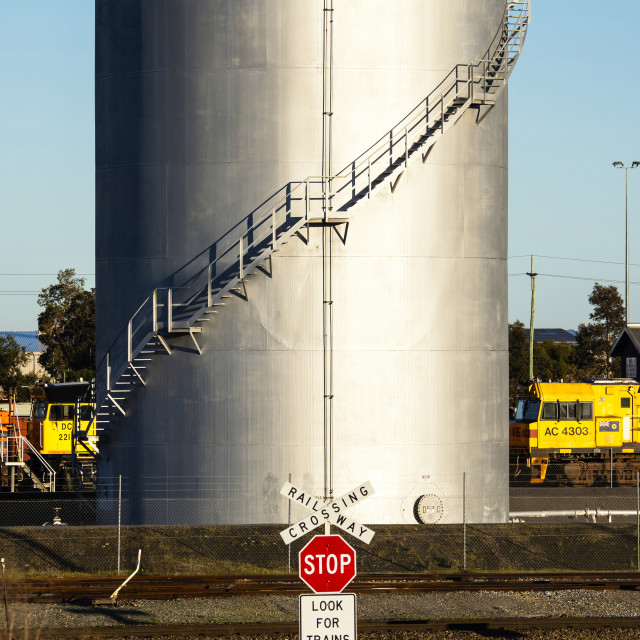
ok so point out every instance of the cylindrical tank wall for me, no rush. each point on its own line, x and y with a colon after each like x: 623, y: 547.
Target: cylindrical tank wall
x: 204, y: 110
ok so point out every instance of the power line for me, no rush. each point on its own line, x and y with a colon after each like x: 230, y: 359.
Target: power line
x: 535, y: 255
x: 557, y: 275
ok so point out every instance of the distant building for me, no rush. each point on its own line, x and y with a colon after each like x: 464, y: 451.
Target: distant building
x: 558, y: 336
x: 627, y: 348
x: 33, y: 348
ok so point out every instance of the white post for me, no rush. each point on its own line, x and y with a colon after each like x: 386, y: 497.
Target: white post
x: 154, y: 301
x: 273, y: 226
x: 129, y: 340
x: 426, y: 116
x: 406, y: 147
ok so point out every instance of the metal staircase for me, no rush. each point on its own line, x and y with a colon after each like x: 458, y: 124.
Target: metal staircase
x: 180, y: 311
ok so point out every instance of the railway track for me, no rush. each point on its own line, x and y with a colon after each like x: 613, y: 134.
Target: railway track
x: 84, y: 590
x: 484, y: 626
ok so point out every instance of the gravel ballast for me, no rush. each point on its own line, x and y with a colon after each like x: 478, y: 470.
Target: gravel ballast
x: 268, y: 609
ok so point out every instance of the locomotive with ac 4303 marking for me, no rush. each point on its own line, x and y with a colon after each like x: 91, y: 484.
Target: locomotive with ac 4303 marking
x: 582, y: 431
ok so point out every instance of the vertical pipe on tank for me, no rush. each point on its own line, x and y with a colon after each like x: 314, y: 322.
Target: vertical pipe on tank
x: 327, y: 299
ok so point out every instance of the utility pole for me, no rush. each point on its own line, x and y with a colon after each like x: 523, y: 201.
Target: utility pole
x: 619, y: 165
x: 532, y: 275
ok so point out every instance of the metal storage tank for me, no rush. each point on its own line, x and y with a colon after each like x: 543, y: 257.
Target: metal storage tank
x: 205, y: 110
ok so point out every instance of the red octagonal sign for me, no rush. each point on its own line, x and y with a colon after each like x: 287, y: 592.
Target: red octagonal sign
x: 327, y: 564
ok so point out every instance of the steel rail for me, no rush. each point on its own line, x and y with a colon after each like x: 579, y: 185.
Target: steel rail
x: 480, y: 625
x: 40, y: 590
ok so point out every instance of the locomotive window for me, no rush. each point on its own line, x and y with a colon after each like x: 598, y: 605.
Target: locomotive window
x: 586, y: 411
x: 61, y: 412
x: 550, y: 411
x: 567, y: 410
x: 625, y: 403
x: 40, y: 410
x: 528, y: 410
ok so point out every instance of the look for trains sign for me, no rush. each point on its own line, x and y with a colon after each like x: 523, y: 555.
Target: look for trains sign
x: 330, y: 511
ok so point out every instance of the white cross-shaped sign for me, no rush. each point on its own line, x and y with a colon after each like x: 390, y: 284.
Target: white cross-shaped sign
x: 331, y: 511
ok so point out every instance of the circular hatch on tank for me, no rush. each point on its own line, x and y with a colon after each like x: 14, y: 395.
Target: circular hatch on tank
x: 428, y: 509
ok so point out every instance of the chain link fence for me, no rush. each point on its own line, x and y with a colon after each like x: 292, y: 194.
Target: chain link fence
x: 548, y: 528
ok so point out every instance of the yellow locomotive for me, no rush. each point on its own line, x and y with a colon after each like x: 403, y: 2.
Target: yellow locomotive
x: 57, y: 446
x: 53, y: 419
x: 584, y: 431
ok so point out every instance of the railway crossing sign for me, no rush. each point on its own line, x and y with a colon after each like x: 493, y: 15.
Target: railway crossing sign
x: 331, y: 512
x: 327, y: 564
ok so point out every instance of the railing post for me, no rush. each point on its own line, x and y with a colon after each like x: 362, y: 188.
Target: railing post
x: 406, y: 147
x: 170, y: 310
x: 484, y: 77
x: 129, y: 340
x: 274, y: 239
x: 369, y: 173
x: 426, y: 116
x: 108, y: 373
x: 209, y: 292
x: 154, y: 301
x: 306, y: 199
x: 240, y: 258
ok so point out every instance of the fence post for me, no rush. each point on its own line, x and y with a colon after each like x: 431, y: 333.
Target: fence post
x: 611, y: 467
x: 464, y: 521
x: 119, y: 516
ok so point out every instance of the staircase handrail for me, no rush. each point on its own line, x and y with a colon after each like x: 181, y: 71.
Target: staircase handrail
x: 502, y: 53
x: 21, y: 441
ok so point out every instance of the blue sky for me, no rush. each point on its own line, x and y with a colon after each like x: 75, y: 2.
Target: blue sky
x: 572, y: 112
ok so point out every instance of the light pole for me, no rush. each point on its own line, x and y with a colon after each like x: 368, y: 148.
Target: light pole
x: 619, y: 165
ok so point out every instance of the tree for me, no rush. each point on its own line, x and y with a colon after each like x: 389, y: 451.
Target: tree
x: 551, y: 361
x: 518, y: 353
x: 554, y: 361
x: 67, y: 327
x: 596, y: 339
x: 12, y: 359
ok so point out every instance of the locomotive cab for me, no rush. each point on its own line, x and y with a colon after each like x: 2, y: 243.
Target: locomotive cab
x: 52, y: 421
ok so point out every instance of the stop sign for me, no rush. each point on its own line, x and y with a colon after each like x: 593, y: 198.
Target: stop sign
x: 327, y: 564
